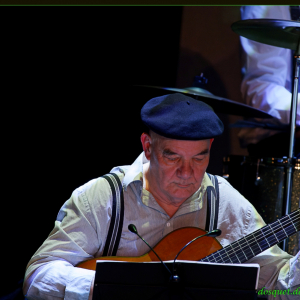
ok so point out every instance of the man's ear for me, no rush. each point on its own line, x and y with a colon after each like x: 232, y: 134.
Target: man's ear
x: 146, y: 143
x: 211, y: 140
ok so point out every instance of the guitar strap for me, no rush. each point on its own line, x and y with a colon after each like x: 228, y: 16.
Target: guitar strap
x: 117, y: 215
x: 212, y: 204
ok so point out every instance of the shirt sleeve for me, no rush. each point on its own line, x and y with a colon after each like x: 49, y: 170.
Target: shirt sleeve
x: 77, y: 236
x: 278, y: 271
x: 238, y: 218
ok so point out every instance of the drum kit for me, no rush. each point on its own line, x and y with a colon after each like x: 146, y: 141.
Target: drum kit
x: 272, y: 185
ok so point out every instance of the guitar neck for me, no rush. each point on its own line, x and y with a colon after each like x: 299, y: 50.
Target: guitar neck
x: 260, y: 240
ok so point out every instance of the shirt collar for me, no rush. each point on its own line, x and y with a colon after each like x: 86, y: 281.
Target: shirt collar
x: 135, y: 171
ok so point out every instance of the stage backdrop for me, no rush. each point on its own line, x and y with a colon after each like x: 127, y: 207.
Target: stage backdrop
x: 70, y: 112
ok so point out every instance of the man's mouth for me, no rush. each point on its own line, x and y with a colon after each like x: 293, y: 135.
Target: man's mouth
x: 183, y: 185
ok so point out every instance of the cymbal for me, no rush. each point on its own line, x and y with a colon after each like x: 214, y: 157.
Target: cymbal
x: 265, y: 125
x: 219, y: 105
x: 280, y: 33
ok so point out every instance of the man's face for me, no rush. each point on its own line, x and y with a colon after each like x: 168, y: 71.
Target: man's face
x: 177, y: 167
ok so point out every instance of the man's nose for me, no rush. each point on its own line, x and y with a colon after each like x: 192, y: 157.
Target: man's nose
x: 185, y: 170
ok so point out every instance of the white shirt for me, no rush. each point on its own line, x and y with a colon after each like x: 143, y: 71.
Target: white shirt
x: 81, y: 227
x: 268, y: 72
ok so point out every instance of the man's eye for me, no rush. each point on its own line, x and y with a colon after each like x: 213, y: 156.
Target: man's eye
x: 172, y: 158
x: 198, y: 159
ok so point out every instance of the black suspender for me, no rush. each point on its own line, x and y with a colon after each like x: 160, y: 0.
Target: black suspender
x: 212, y: 211
x: 117, y: 216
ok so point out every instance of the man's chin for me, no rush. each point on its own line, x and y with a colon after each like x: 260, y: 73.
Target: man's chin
x: 183, y: 193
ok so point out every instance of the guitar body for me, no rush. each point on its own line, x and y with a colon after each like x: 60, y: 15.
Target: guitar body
x: 169, y: 247
x: 239, y: 251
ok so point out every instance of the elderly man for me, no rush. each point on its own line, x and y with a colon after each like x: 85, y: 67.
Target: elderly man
x: 163, y: 190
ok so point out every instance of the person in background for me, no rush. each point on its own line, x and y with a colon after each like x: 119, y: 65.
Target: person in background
x: 267, y: 85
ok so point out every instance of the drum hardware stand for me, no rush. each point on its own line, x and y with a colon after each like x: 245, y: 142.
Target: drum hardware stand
x: 257, y: 179
x: 293, y: 116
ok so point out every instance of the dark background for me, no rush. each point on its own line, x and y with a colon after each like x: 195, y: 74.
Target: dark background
x: 69, y: 112
x: 70, y: 106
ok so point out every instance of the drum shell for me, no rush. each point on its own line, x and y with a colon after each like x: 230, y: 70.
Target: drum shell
x: 262, y: 181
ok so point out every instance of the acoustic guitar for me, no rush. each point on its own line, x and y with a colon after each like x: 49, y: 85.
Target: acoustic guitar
x: 208, y: 249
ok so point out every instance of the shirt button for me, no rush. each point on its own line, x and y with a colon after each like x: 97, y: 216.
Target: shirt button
x: 168, y: 224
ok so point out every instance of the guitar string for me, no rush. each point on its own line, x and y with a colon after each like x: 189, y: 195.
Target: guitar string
x: 257, y: 241
x: 267, y: 232
x: 237, y: 253
x: 273, y: 228
x: 277, y: 231
x: 232, y: 253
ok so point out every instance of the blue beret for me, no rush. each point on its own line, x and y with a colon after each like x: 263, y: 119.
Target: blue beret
x: 180, y: 117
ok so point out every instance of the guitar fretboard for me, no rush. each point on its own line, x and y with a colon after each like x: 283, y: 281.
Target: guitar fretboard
x: 260, y: 240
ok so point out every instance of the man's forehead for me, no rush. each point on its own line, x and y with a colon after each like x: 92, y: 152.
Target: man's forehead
x: 177, y: 146
x: 155, y: 136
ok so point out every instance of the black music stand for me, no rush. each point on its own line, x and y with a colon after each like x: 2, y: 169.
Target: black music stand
x: 150, y: 280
